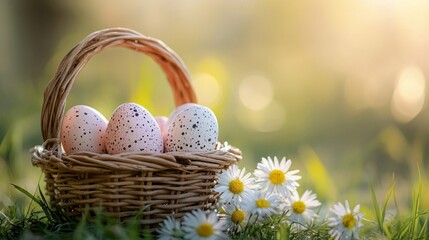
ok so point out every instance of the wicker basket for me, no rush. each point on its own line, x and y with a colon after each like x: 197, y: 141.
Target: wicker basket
x: 162, y: 184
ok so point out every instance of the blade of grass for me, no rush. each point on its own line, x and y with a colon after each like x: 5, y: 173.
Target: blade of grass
x: 34, y: 194
x: 383, y: 210
x: 44, y: 204
x: 411, y: 230
x: 45, y: 207
x: 283, y: 232
x: 31, y: 196
x: 378, y: 213
x: 416, y: 205
x: 423, y: 230
x: 134, y: 226
x: 81, y: 226
x: 404, y: 231
x: 381, y: 213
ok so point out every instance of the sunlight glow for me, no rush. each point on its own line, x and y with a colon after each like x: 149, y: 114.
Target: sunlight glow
x: 366, y: 93
x: 269, y: 119
x: 207, y: 88
x: 256, y: 92
x: 409, y: 94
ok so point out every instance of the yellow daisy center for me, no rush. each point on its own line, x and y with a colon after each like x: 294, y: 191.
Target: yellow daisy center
x: 205, y: 230
x: 277, y: 177
x: 262, y: 203
x: 236, y: 186
x: 298, y: 207
x: 237, y: 216
x: 349, y: 221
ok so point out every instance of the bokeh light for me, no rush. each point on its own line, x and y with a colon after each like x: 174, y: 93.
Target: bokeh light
x: 207, y: 89
x: 367, y: 93
x: 409, y: 94
x: 269, y: 119
x: 256, y: 92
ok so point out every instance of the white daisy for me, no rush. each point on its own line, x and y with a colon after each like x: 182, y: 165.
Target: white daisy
x: 261, y: 204
x: 301, y: 210
x: 234, y: 184
x: 345, y: 224
x: 170, y: 229
x: 237, y: 217
x: 199, y: 226
x: 275, y: 177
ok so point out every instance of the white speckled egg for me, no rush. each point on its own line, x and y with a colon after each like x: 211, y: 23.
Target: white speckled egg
x: 162, y: 124
x: 133, y: 129
x: 177, y: 110
x: 194, y: 129
x: 83, y: 129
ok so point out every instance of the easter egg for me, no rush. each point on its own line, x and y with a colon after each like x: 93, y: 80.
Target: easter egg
x: 194, y: 129
x: 133, y: 129
x: 177, y: 110
x: 162, y: 124
x: 83, y: 129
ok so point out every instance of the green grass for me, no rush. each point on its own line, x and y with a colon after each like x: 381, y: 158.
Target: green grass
x: 402, y: 227
x: 39, y: 221
x: 381, y: 213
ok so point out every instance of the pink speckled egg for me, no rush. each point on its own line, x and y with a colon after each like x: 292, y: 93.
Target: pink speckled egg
x: 162, y: 124
x: 83, y: 129
x: 194, y: 129
x: 133, y: 129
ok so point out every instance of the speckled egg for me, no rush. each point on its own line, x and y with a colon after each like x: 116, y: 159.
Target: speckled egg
x: 194, y: 129
x: 133, y: 129
x: 177, y: 110
x: 162, y: 124
x: 83, y: 129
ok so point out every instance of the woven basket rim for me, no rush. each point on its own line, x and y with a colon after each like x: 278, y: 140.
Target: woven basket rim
x: 86, y: 162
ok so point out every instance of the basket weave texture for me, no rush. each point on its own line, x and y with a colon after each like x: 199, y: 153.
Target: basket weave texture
x: 163, y: 184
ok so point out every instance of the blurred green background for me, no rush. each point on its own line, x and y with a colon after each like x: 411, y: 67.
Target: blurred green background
x: 337, y: 86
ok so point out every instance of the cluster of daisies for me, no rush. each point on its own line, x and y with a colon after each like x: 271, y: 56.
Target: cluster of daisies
x: 245, y: 199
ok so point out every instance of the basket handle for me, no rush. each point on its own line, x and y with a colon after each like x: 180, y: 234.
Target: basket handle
x: 59, y: 87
